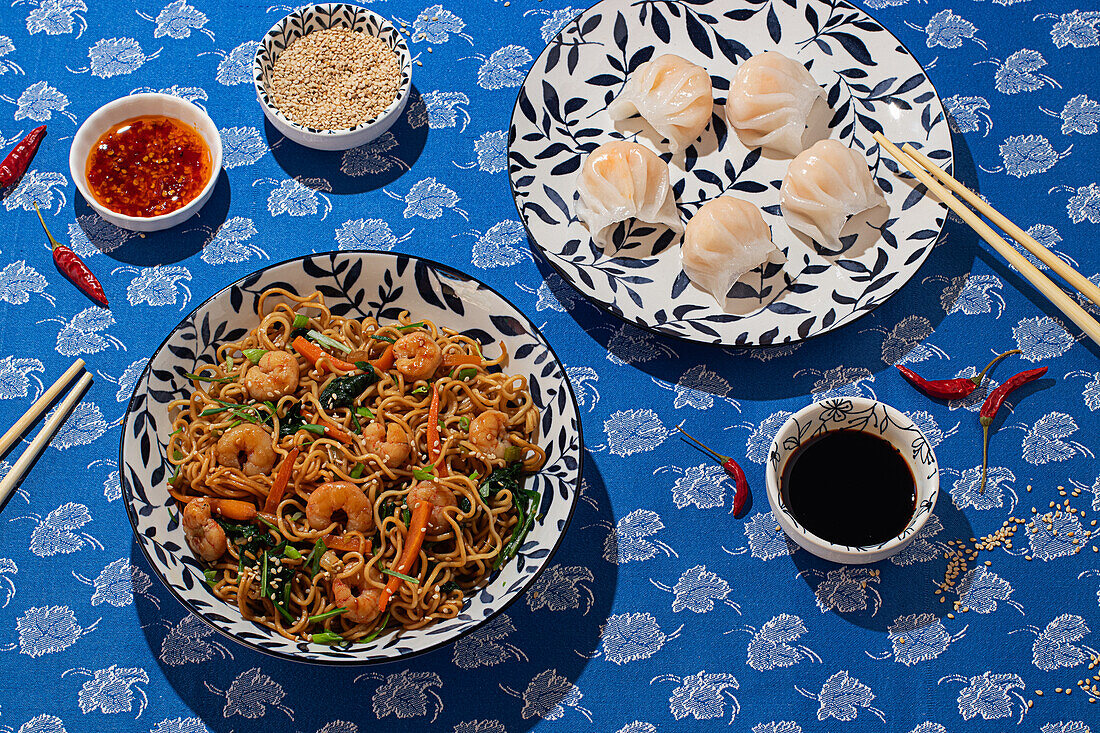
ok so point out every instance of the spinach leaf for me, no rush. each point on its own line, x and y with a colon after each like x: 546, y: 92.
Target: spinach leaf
x: 293, y: 421
x: 500, y: 479
x: 342, y: 391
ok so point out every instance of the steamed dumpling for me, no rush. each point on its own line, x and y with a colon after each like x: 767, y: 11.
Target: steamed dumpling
x: 622, y: 180
x: 823, y: 187
x: 770, y: 100
x: 724, y: 240
x: 671, y: 94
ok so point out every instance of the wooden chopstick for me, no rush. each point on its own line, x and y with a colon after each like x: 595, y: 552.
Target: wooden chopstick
x: 43, y: 438
x: 1048, y: 258
x: 22, y: 424
x: 1061, y: 300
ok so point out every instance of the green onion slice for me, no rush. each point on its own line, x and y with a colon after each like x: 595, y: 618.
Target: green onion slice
x: 357, y: 471
x: 365, y: 412
x: 292, y: 553
x: 254, y: 355
x: 211, y: 576
x: 326, y: 341
x: 200, y: 378
x: 326, y: 614
x: 423, y: 474
x: 406, y: 578
x: 467, y: 373
x: 418, y: 324
x: 301, y: 320
x: 328, y: 638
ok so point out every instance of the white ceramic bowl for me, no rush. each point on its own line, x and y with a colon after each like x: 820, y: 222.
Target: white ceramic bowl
x: 311, y: 18
x: 136, y: 105
x: 854, y: 413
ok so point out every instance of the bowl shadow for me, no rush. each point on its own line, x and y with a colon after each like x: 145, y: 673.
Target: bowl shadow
x: 357, y: 170
x: 145, y: 249
x: 874, y: 596
x: 234, y: 688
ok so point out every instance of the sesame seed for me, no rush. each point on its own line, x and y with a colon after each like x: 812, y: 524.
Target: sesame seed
x: 335, y: 79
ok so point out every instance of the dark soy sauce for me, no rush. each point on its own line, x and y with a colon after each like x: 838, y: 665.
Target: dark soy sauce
x: 850, y: 488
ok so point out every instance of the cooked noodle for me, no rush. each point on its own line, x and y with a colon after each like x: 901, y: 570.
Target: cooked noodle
x: 468, y: 535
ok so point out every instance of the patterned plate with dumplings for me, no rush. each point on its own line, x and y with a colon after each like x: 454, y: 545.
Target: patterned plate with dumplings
x: 872, y: 84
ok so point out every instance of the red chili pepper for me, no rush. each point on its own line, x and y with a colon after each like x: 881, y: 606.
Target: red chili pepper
x: 73, y: 267
x: 733, y: 469
x: 950, y: 389
x: 20, y: 157
x: 993, y: 403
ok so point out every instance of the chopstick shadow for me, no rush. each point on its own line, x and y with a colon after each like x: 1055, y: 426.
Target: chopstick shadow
x: 145, y: 249
x: 366, y: 168
x: 537, y: 649
x: 881, y: 594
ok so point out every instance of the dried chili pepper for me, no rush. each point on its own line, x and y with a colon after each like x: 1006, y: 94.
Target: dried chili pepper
x: 993, y: 403
x: 950, y: 389
x: 733, y: 469
x: 20, y: 157
x: 73, y: 267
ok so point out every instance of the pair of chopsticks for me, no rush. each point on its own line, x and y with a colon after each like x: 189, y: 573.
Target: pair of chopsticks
x: 19, y: 470
x: 921, y: 166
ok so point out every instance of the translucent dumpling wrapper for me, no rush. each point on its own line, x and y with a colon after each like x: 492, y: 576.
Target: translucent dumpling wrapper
x: 726, y: 239
x: 823, y: 187
x: 770, y: 100
x: 671, y: 94
x: 623, y: 180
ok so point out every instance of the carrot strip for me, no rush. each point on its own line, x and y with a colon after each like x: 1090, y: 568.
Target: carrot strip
x: 336, y: 433
x: 275, y: 496
x: 461, y: 359
x: 434, y: 446
x: 414, y: 539
x: 313, y: 353
x: 385, y: 362
x: 232, y: 509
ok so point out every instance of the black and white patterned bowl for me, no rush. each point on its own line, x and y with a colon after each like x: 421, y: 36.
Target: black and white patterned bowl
x: 304, y: 21
x: 872, y: 84
x: 869, y: 416
x: 355, y: 284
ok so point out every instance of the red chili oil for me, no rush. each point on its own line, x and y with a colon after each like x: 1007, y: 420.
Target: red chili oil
x: 850, y: 488
x: 148, y: 166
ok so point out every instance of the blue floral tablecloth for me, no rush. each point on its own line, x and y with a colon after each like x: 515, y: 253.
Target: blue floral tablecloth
x: 661, y: 611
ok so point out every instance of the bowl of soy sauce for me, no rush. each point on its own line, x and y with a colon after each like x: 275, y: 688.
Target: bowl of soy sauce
x: 851, y: 480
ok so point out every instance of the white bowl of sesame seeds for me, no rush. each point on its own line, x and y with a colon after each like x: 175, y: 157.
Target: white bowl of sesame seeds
x: 333, y: 76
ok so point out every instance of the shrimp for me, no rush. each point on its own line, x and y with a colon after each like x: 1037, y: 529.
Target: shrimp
x: 247, y: 447
x: 362, y: 607
x: 275, y: 375
x: 489, y: 433
x: 205, y: 536
x: 391, y: 444
x: 335, y: 496
x: 436, y: 494
x: 417, y: 355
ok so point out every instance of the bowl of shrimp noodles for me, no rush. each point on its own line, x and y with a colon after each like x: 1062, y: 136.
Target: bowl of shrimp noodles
x: 351, y: 457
